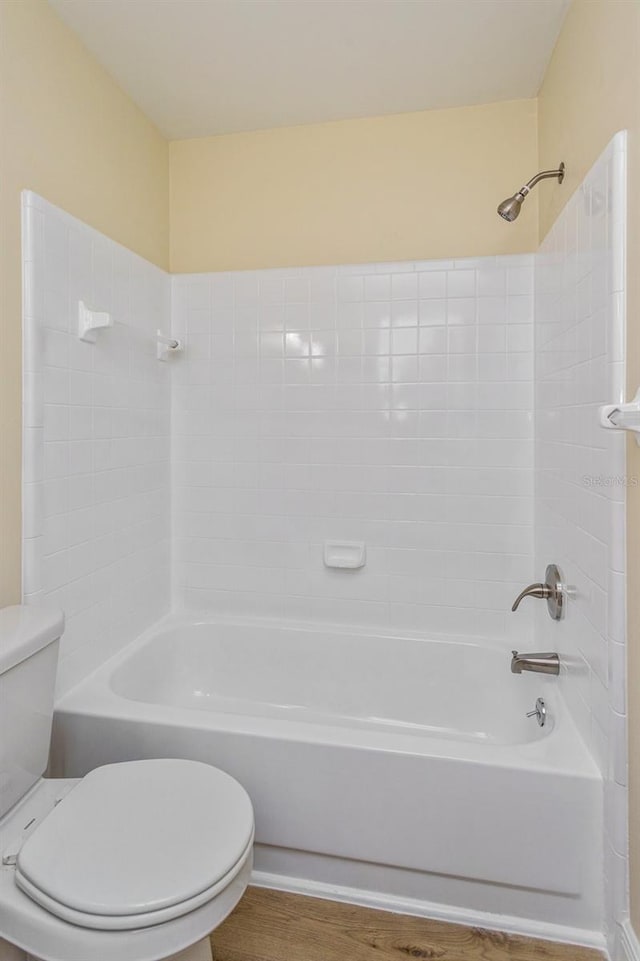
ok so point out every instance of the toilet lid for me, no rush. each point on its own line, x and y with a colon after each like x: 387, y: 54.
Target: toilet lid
x: 138, y: 837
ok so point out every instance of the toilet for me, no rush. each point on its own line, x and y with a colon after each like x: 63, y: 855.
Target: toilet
x: 133, y: 862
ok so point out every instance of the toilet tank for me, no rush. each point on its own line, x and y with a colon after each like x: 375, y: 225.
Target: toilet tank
x: 28, y: 659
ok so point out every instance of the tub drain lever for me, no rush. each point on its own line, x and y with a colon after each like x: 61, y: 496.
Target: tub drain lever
x: 540, y: 712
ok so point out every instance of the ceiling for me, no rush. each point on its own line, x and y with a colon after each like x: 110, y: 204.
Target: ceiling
x: 201, y: 67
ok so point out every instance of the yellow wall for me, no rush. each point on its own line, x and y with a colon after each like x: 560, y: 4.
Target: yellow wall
x: 408, y: 186
x: 590, y: 91
x: 69, y: 133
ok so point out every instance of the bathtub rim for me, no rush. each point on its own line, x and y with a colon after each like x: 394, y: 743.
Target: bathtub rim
x: 561, y: 751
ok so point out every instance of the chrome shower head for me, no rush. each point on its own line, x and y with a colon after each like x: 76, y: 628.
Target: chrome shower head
x: 510, y: 208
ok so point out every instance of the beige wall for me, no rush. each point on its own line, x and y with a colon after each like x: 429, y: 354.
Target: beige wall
x: 591, y: 90
x: 69, y: 133
x: 409, y: 186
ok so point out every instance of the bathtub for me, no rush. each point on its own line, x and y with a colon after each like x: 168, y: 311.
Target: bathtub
x: 393, y: 770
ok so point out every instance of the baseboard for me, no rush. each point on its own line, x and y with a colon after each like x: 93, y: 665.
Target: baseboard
x: 629, y: 943
x: 437, y: 912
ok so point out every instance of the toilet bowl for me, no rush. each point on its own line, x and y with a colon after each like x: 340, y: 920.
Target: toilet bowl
x: 134, y: 862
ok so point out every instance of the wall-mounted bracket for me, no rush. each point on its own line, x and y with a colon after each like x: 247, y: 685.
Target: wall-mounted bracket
x: 167, y: 346
x: 622, y: 416
x: 90, y: 321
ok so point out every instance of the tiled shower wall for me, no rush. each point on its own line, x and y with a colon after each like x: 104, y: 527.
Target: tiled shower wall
x: 387, y: 403
x: 96, y: 438
x: 390, y: 404
x: 581, y: 480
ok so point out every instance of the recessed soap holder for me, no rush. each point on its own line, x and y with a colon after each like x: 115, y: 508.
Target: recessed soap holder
x: 346, y: 555
x: 622, y: 416
x: 90, y: 321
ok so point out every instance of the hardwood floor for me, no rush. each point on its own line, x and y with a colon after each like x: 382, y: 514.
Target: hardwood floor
x: 273, y: 926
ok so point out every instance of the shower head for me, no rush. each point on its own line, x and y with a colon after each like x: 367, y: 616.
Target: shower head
x: 510, y: 208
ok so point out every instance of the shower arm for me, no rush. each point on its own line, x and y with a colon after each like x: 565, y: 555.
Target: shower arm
x: 543, y: 175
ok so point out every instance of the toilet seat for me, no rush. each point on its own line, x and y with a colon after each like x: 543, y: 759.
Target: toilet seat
x: 138, y: 843
x: 131, y: 921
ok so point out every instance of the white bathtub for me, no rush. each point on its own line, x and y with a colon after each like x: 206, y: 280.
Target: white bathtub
x: 395, y: 765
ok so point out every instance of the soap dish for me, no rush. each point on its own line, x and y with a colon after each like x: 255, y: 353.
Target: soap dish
x: 344, y: 554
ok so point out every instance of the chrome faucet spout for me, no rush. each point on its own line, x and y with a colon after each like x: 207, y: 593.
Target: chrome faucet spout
x: 546, y: 663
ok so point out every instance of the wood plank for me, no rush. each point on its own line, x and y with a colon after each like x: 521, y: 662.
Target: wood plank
x: 273, y: 926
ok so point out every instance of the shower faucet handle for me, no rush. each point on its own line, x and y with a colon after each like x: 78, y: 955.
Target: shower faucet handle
x: 534, y: 590
x: 551, y: 590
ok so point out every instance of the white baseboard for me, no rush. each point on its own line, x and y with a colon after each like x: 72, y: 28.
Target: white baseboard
x: 629, y: 943
x: 437, y: 912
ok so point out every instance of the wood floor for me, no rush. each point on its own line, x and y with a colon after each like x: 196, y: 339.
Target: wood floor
x: 273, y: 926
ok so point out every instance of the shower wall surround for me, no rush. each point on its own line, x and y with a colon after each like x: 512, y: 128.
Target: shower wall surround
x: 391, y: 404
x: 581, y: 479
x: 96, y: 508
x: 384, y: 403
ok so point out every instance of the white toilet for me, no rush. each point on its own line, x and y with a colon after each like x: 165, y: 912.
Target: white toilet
x: 133, y: 862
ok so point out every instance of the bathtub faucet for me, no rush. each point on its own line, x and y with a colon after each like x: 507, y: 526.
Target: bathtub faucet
x: 538, y: 663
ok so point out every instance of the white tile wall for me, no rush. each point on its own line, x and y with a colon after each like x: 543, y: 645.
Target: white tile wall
x: 390, y: 403
x: 581, y: 479
x: 96, y: 438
